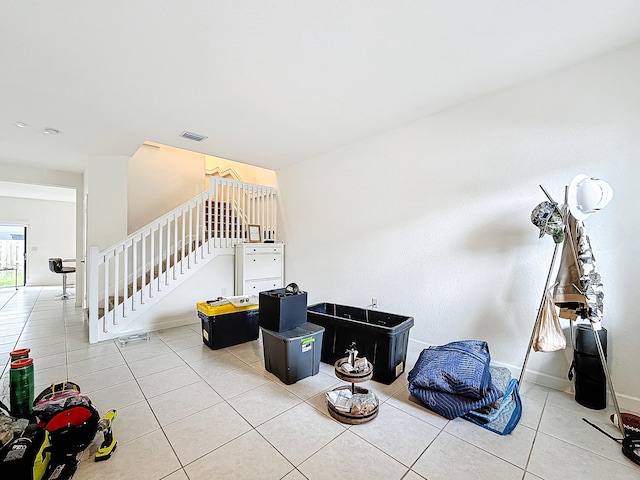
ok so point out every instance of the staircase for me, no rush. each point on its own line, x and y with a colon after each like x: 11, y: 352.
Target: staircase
x: 126, y: 279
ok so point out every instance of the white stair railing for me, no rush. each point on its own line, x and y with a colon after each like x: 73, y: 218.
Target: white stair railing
x: 125, y: 278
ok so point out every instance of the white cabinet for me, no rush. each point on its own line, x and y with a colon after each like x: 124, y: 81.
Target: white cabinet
x: 259, y: 267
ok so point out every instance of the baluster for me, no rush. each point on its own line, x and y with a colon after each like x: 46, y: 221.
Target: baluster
x: 184, y: 226
x: 152, y: 261
x: 175, y: 246
x: 271, y: 224
x: 229, y: 215
x: 260, y: 211
x: 191, y: 245
x: 225, y: 212
x: 199, y: 243
x: 105, y: 280
x: 159, y: 283
x: 125, y: 279
x: 134, y: 273
x: 116, y: 278
x: 254, y: 209
x: 143, y: 266
x: 268, y: 214
x: 204, y: 226
x: 243, y: 212
x: 236, y: 220
x: 168, y: 266
x: 209, y: 220
x: 214, y: 213
x: 231, y: 219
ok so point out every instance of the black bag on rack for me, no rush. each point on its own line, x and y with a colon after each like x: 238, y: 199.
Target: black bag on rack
x: 590, y: 380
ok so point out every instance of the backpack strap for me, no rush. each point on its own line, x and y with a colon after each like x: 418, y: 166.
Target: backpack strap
x: 5, y: 408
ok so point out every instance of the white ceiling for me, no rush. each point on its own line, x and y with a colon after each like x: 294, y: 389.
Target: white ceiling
x: 269, y: 82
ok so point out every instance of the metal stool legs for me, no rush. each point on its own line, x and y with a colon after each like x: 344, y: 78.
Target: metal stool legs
x: 65, y: 295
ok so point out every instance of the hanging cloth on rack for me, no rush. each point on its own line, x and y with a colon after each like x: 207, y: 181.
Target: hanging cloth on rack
x: 548, y: 333
x: 578, y: 291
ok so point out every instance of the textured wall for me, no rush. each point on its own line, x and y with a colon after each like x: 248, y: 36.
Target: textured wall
x: 432, y: 218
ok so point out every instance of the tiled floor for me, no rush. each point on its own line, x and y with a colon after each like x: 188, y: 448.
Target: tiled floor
x: 187, y: 412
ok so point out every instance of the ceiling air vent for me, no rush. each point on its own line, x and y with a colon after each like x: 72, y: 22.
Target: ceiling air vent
x: 193, y: 136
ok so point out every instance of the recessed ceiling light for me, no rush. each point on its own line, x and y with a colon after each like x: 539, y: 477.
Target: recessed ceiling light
x: 21, y: 124
x: 51, y: 131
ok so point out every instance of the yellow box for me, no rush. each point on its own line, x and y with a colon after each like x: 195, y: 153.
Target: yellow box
x: 213, y: 310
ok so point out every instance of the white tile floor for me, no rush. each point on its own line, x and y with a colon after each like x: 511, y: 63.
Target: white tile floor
x: 188, y: 412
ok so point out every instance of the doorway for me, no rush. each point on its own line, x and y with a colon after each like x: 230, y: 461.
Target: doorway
x: 13, y: 261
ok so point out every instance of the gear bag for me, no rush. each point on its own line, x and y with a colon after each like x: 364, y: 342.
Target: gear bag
x: 63, y: 424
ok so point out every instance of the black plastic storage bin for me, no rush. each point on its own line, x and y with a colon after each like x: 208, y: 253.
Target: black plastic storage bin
x: 293, y: 354
x: 227, y: 325
x: 381, y: 337
x: 281, y: 310
x: 590, y: 381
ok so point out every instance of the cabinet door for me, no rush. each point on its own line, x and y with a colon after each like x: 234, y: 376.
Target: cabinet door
x: 254, y: 287
x: 260, y: 249
x: 263, y: 266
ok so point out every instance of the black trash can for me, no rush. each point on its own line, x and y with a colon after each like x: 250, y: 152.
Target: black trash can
x: 590, y: 380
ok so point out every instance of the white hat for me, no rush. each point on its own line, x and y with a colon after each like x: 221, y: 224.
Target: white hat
x: 587, y: 195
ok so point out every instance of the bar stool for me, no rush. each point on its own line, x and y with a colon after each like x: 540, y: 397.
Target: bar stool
x: 55, y: 265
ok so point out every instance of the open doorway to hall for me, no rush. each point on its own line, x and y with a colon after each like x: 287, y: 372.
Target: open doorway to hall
x: 45, y: 217
x: 13, y: 261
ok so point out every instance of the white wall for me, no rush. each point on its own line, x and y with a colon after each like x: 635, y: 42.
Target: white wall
x: 433, y: 218
x: 13, y: 172
x: 179, y: 308
x: 105, y: 180
x: 161, y: 178
x: 246, y: 173
x: 51, y: 232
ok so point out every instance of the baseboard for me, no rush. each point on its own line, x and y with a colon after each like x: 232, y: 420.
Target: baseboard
x: 627, y: 403
x: 164, y: 324
x: 417, y: 345
x: 539, y: 378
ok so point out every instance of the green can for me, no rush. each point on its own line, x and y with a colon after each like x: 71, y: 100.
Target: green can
x: 21, y: 387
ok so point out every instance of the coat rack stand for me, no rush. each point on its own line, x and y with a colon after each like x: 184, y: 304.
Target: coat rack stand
x: 603, y: 359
